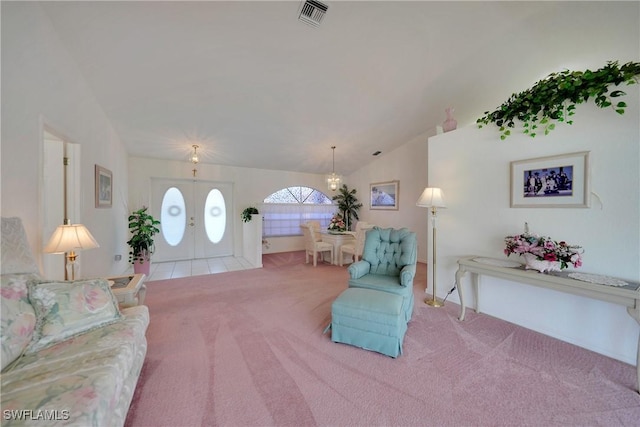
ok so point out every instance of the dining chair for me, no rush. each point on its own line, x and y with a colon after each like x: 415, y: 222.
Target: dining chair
x: 316, y: 226
x: 355, y: 248
x: 313, y: 246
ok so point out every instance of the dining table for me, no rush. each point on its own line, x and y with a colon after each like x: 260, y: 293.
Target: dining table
x: 337, y: 239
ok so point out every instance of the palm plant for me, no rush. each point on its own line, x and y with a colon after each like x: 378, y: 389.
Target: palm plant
x: 348, y: 204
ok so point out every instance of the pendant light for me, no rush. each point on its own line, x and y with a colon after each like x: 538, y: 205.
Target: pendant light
x: 333, y: 180
x: 194, y: 159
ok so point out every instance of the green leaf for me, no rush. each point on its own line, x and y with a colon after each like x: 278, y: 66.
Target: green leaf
x: 554, y: 98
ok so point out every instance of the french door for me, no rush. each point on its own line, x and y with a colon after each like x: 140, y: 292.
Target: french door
x: 195, y: 219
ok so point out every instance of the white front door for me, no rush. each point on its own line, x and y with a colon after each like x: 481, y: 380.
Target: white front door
x: 195, y: 219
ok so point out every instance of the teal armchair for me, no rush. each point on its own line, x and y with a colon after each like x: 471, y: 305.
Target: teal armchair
x: 388, y: 264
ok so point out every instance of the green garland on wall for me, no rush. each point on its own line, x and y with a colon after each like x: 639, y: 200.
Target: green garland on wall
x: 554, y: 98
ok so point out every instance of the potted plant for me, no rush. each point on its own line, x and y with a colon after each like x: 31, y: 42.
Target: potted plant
x: 142, y: 227
x: 554, y: 98
x: 348, y: 204
x: 246, y: 214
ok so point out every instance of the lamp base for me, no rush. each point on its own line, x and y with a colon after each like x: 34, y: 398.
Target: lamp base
x: 433, y: 302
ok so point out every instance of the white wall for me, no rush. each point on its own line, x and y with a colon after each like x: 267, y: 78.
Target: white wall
x: 407, y: 164
x: 472, y: 167
x: 250, y: 187
x: 41, y: 84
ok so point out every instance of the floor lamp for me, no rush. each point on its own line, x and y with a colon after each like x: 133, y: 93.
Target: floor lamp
x: 432, y: 198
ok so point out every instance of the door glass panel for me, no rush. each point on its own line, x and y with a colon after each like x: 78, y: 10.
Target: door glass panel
x: 215, y: 216
x: 173, y: 216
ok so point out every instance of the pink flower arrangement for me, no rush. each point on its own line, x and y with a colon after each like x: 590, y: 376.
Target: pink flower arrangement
x: 545, y: 249
x: 337, y: 223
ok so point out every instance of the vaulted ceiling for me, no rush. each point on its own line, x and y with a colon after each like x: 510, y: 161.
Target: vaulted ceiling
x: 255, y: 87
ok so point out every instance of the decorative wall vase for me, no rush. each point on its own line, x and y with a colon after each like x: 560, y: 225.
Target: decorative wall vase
x: 450, y: 123
x: 533, y: 263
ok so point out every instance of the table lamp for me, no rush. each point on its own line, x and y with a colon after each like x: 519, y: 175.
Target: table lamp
x: 68, y: 238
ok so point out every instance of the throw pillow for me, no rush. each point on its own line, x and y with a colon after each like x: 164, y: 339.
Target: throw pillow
x: 16, y: 253
x: 18, y: 318
x: 66, y: 309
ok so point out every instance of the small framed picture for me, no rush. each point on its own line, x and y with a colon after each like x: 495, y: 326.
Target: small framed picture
x: 104, y: 187
x: 384, y: 195
x: 551, y: 182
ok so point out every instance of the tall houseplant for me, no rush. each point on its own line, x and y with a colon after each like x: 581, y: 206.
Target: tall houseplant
x: 348, y: 204
x: 143, y: 227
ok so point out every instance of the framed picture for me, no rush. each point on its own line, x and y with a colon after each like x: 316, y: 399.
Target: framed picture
x: 104, y: 187
x: 551, y: 182
x: 384, y: 195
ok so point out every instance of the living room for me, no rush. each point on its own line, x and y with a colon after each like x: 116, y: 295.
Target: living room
x: 43, y: 86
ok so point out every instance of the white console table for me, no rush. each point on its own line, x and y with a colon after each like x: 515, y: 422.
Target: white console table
x: 628, y: 295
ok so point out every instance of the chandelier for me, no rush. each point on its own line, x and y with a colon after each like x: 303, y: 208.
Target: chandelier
x: 333, y: 180
x: 194, y: 159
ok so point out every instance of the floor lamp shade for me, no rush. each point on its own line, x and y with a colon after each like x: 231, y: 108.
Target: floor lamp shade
x: 433, y: 198
x: 67, y: 239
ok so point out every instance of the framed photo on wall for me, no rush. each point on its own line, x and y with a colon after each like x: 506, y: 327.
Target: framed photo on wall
x: 104, y: 187
x: 384, y: 195
x: 551, y: 182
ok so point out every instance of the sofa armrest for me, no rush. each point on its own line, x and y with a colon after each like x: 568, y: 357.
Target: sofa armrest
x: 359, y: 269
x: 407, y: 274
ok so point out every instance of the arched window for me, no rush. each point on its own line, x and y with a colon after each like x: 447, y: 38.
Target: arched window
x: 285, y: 210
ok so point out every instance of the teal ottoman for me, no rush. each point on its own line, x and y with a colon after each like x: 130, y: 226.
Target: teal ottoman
x: 369, y: 319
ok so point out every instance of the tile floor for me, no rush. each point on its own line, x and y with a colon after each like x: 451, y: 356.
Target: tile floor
x: 196, y: 267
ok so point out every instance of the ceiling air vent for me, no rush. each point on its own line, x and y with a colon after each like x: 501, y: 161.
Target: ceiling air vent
x: 312, y: 12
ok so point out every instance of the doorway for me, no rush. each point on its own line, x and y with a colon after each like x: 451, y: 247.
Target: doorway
x: 195, y: 220
x: 60, y: 192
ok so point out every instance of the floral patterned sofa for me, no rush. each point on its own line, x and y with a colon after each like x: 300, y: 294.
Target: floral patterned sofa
x: 69, y: 356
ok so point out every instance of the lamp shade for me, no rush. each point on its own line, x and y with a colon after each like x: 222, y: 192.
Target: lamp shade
x: 431, y: 197
x: 69, y: 238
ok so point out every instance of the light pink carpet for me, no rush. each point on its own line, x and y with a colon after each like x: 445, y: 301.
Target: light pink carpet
x: 247, y: 349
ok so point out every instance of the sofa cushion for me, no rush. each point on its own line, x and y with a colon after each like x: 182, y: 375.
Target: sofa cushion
x: 16, y: 252
x: 66, y: 309
x: 380, y: 283
x: 18, y: 317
